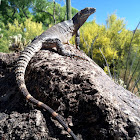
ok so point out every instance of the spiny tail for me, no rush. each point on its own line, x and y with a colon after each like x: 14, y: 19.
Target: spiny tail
x: 22, y: 63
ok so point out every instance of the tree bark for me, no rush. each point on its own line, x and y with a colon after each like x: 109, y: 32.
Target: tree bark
x: 87, y: 99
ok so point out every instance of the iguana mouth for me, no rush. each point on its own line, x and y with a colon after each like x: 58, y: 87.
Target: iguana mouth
x: 92, y: 10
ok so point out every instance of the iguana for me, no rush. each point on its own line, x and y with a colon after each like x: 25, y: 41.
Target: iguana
x: 55, y: 36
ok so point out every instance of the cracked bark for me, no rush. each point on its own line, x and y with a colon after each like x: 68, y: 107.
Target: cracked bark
x: 89, y: 101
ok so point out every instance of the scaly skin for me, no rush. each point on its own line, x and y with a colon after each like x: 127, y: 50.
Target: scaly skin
x: 55, y: 36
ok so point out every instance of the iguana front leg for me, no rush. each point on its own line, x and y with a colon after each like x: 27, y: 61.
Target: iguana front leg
x: 77, y: 39
x: 55, y: 42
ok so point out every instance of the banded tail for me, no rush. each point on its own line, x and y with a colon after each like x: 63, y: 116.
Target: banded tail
x: 22, y: 63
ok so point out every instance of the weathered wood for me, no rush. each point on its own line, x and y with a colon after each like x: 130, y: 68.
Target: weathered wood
x: 92, y: 104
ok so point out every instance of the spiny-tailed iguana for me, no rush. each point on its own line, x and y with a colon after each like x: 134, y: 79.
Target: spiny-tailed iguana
x: 55, y: 36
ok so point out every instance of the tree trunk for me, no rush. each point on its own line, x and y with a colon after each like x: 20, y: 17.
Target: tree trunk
x: 87, y: 99
x: 68, y: 7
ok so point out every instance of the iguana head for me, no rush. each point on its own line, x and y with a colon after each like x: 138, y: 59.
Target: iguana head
x: 80, y: 18
x: 85, y: 13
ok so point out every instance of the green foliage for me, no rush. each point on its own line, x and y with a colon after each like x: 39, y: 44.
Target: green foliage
x: 32, y: 29
x: 4, y: 39
x: 49, y: 13
x: 88, y: 33
x: 114, y: 40
x: 28, y: 31
x: 1, y: 35
x: 136, y: 42
x: 14, y: 9
x: 45, y: 11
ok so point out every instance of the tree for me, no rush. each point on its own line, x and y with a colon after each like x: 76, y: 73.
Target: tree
x: 13, y: 9
x: 48, y: 13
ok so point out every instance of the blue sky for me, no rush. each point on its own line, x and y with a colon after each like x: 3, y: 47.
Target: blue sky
x: 128, y: 9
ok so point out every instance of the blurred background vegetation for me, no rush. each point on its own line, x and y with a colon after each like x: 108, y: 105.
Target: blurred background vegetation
x: 112, y: 46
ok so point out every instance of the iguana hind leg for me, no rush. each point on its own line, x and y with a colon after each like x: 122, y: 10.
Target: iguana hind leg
x: 55, y: 42
x: 50, y: 43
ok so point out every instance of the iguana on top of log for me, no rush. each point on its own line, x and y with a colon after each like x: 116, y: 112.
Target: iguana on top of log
x: 55, y: 36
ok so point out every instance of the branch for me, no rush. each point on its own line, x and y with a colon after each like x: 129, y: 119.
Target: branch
x: 132, y: 74
x: 15, y: 9
x: 25, y: 14
x: 114, y: 73
x: 106, y: 64
x: 54, y: 12
x: 129, y: 51
x: 132, y: 63
x: 85, y: 42
x: 136, y: 82
x: 41, y: 10
x: 91, y: 48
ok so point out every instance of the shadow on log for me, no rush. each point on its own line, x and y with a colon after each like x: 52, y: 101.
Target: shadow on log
x: 87, y: 99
